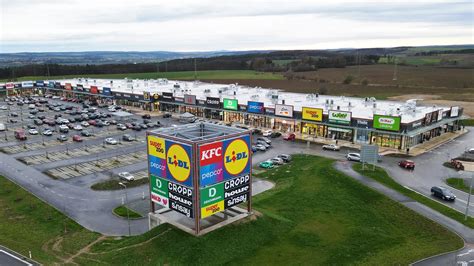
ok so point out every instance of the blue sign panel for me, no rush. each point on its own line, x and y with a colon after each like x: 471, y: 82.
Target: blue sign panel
x: 255, y: 107
x: 106, y: 91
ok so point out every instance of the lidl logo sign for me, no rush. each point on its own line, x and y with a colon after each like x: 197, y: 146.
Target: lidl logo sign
x: 236, y: 156
x: 178, y: 163
x: 156, y: 147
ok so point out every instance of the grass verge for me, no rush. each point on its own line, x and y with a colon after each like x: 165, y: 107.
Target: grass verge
x: 457, y: 183
x: 183, y: 75
x: 113, y: 184
x: 468, y: 122
x: 28, y: 224
x: 382, y: 177
x: 122, y: 212
x: 314, y: 215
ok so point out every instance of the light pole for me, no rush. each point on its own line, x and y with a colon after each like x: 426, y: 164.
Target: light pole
x: 126, y: 203
x: 469, y: 198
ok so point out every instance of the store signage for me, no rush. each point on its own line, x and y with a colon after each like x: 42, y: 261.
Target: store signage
x: 106, y: 91
x: 39, y: 83
x: 94, y: 90
x: 213, y: 102
x: 312, y: 114
x: 255, y: 107
x: 211, y: 163
x: 171, y: 195
x: 454, y: 111
x: 9, y: 86
x: 431, y: 117
x: 362, y: 123
x: 339, y: 117
x: 179, y: 99
x: 68, y: 86
x: 146, y: 96
x: 57, y: 85
x: 190, y: 99
x: 440, y: 114
x: 231, y: 104
x: 385, y: 122
x: 417, y: 124
x: 218, y: 197
x: 79, y: 87
x: 284, y: 110
x: 51, y: 84
x: 159, y: 191
x: 178, y: 163
x: 155, y: 97
x: 27, y: 84
x: 167, y: 97
x: 17, y: 85
x: 236, y: 157
x: 270, y: 111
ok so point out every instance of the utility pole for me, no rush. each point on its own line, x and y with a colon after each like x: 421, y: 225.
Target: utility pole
x: 395, y: 70
x: 195, y: 72
x: 126, y: 203
x: 469, y: 198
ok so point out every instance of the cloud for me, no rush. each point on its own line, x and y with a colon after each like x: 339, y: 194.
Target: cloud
x: 76, y: 25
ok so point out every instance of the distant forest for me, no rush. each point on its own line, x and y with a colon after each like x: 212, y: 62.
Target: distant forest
x: 278, y: 61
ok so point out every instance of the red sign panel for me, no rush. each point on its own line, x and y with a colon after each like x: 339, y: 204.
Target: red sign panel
x: 210, y: 153
x: 94, y: 90
x: 68, y: 86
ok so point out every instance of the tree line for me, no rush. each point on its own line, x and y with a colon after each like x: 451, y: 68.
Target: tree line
x: 297, y: 61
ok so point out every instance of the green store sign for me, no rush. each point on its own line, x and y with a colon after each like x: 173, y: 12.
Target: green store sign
x: 231, y: 104
x: 159, y: 186
x: 386, y: 122
x: 339, y: 117
x: 212, y: 194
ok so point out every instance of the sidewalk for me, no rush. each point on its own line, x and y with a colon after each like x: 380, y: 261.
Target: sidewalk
x: 436, y: 142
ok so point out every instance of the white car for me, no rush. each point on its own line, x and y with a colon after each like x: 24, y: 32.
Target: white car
x: 126, y: 176
x: 260, y: 147
x: 112, y: 110
x: 267, y: 133
x: 471, y: 150
x: 111, y: 141
x: 277, y: 160
x: 78, y: 127
x: 353, y: 157
x: 3, y: 107
x: 33, y: 131
x: 85, y: 124
x: 48, y: 132
x: 332, y: 147
x: 55, y: 97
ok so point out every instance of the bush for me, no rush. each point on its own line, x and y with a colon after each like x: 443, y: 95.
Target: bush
x: 348, y: 79
x: 365, y: 82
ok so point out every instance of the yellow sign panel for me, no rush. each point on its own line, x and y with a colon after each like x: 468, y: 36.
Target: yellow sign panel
x: 156, y: 147
x: 179, y: 163
x: 313, y: 114
x: 236, y: 157
x: 212, y: 209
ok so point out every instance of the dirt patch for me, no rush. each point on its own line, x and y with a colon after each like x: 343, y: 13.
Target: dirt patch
x: 436, y: 100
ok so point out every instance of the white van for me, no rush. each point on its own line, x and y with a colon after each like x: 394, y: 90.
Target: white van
x: 2, y: 127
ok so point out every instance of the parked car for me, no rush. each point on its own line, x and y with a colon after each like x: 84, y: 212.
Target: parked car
x: 11, y: 120
x: 266, y: 164
x: 267, y: 133
x: 84, y: 124
x: 166, y: 115
x: 277, y: 160
x: 407, y: 164
x: 111, y: 141
x: 121, y: 127
x: 471, y: 150
x: 353, y: 157
x: 146, y: 116
x: 260, y: 147
x: 76, y: 138
x: 33, y: 131
x: 86, y: 133
x: 126, y: 176
x: 285, y: 157
x: 20, y: 134
x: 331, y: 147
x: 127, y: 137
x: 289, y: 136
x: 443, y: 193
x: 38, y: 122
x: 275, y: 135
x: 63, y: 129
x: 62, y: 138
x: 78, y: 127
x: 264, y: 139
x: 263, y: 143
x: 13, y: 114
x: 47, y: 132
x: 254, y: 148
x: 256, y: 131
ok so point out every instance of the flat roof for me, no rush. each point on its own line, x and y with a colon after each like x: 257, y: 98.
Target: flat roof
x: 361, y: 108
x: 197, y: 131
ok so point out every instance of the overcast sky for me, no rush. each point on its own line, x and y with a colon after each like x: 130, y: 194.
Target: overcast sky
x: 204, y: 25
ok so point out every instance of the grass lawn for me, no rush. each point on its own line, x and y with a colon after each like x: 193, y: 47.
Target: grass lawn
x: 183, y: 75
x: 113, y: 184
x: 315, y: 215
x: 28, y: 224
x: 468, y: 122
x: 457, y: 183
x: 122, y: 212
x: 381, y: 176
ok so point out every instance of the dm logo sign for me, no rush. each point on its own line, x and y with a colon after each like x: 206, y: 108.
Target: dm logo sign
x: 178, y: 162
x: 236, y: 157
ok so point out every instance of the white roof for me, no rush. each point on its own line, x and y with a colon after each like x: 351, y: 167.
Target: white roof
x: 359, y: 107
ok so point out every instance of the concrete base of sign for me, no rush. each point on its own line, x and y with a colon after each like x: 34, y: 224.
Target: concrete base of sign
x: 186, y: 224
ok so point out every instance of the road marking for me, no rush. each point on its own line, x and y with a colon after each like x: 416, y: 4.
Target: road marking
x: 467, y: 253
x: 15, y: 257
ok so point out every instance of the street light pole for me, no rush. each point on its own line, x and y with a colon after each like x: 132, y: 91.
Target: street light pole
x: 126, y: 203
x: 469, y: 198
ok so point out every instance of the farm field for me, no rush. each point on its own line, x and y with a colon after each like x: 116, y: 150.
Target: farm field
x: 182, y: 75
x: 315, y: 215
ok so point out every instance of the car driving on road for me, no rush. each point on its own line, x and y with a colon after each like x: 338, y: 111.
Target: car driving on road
x: 443, y: 193
x: 353, y: 157
x: 407, y: 164
x: 331, y: 147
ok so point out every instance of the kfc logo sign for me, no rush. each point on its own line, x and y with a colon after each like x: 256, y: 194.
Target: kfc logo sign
x: 211, y: 153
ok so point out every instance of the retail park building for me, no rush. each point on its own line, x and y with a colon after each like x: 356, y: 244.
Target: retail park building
x: 393, y: 124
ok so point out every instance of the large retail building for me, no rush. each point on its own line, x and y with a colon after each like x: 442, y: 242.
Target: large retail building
x: 393, y: 124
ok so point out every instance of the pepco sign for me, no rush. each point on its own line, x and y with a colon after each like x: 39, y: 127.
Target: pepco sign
x: 236, y: 157
x: 210, y: 164
x: 178, y: 163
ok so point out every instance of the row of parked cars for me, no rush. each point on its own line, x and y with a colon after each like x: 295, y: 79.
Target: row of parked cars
x: 278, y: 160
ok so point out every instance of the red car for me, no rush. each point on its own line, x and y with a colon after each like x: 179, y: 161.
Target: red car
x: 77, y: 138
x: 290, y: 136
x: 407, y: 164
x: 92, y: 122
